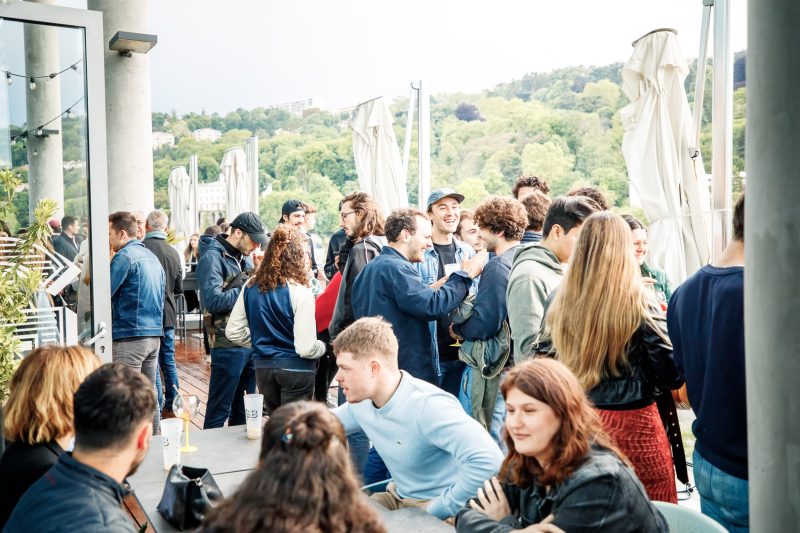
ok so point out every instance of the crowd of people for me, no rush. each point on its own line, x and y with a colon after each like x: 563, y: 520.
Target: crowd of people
x: 501, y: 368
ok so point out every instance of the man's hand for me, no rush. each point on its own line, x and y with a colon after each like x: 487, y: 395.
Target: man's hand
x: 455, y: 335
x: 493, y: 502
x: 648, y: 282
x: 474, y: 265
x: 545, y: 526
x: 257, y: 256
x: 438, y: 283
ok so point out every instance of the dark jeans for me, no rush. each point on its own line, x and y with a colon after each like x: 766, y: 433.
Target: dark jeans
x: 375, y: 470
x: 358, y: 443
x: 166, y: 361
x: 280, y: 386
x: 451, y: 374
x: 231, y: 375
x: 325, y: 372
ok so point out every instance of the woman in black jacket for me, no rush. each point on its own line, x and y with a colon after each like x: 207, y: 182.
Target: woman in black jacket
x: 38, y: 417
x: 562, y: 472
x: 606, y: 326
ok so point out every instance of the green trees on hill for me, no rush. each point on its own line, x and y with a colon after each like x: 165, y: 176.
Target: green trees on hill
x: 562, y: 125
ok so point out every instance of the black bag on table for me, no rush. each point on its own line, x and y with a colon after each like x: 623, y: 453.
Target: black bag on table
x: 188, y: 494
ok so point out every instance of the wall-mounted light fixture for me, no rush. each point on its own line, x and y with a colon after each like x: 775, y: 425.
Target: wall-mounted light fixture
x: 126, y: 42
x: 44, y: 132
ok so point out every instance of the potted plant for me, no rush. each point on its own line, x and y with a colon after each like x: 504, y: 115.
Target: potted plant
x: 19, y: 282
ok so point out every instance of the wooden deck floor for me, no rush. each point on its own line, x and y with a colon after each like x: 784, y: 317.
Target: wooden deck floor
x: 193, y: 371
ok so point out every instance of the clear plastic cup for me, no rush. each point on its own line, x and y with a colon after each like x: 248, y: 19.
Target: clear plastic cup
x: 171, y: 441
x: 253, y: 412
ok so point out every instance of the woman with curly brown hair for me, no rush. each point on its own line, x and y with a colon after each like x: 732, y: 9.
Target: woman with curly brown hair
x: 562, y: 472
x: 275, y: 314
x: 304, y: 481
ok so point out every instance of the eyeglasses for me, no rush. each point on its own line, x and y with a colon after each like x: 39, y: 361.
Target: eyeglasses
x: 345, y: 215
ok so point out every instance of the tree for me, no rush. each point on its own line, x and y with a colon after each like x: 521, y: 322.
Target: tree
x: 467, y: 113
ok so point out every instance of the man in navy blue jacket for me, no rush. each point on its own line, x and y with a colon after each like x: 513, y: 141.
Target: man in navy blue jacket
x: 706, y: 326
x: 391, y: 287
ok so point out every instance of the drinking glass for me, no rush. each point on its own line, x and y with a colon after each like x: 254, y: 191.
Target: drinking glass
x: 185, y: 408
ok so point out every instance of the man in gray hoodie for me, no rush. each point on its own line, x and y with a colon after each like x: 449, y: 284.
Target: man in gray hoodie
x: 537, y: 269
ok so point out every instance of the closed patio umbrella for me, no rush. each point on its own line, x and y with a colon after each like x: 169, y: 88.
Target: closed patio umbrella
x: 180, y: 202
x: 377, y: 156
x: 656, y: 146
x: 236, y: 176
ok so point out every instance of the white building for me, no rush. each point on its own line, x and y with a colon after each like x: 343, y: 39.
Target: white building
x: 161, y: 138
x: 207, y: 135
x: 299, y: 106
x: 211, y: 197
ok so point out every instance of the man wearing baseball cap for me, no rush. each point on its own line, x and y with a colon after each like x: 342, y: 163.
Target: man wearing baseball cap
x: 222, y: 270
x: 446, y: 256
x: 293, y: 213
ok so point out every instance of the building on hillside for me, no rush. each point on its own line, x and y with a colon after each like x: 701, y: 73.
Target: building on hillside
x: 299, y: 106
x: 207, y: 135
x: 162, y: 138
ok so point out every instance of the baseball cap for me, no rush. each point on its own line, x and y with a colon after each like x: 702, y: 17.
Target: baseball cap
x: 251, y: 224
x: 438, y: 194
x: 291, y: 206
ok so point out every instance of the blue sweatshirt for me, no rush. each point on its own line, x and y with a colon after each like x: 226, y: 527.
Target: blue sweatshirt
x: 434, y: 450
x: 490, y: 307
x: 705, y: 318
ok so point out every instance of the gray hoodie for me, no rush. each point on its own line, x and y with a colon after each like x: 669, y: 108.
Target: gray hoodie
x: 535, y: 272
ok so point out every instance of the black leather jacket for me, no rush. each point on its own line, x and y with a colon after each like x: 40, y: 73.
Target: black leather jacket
x: 650, y: 371
x: 602, y: 494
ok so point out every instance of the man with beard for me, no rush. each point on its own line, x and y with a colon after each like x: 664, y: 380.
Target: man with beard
x: 391, y: 287
x: 444, y: 257
x: 83, y: 490
x: 221, y: 272
x: 293, y: 213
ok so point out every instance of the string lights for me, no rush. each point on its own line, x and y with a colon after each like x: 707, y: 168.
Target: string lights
x: 32, y: 79
x: 41, y: 130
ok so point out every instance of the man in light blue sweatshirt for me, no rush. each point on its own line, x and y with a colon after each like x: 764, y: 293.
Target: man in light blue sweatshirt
x: 437, y: 454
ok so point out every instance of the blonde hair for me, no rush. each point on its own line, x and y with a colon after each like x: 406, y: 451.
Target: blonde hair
x: 366, y: 337
x: 601, y: 302
x: 39, y: 408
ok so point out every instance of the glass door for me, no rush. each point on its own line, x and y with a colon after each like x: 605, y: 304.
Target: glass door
x: 52, y: 140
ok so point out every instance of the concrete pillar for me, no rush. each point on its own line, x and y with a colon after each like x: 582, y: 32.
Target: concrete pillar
x: 772, y: 284
x: 45, y: 154
x: 128, y: 109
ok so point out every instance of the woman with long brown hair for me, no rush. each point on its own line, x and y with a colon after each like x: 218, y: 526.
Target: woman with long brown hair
x: 304, y: 481
x: 275, y: 314
x: 562, y: 472
x: 607, y: 328
x: 38, y: 417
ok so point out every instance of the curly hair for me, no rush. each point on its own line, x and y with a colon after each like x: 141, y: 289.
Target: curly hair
x: 304, y: 480
x: 593, y: 193
x: 552, y: 383
x: 402, y: 219
x: 536, y: 205
x: 502, y: 214
x: 369, y: 215
x: 285, y: 260
x: 530, y: 181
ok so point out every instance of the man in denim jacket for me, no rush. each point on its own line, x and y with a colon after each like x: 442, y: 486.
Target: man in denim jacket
x: 444, y: 257
x: 137, y: 300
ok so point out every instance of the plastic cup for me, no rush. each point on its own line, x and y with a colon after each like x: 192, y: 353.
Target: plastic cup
x: 171, y: 441
x: 253, y: 407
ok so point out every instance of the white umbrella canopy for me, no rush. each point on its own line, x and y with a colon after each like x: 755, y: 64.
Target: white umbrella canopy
x: 656, y: 147
x: 180, y: 202
x: 236, y: 177
x: 377, y: 156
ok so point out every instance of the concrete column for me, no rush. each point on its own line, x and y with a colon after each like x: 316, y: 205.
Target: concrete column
x: 772, y: 284
x: 45, y: 154
x: 128, y: 109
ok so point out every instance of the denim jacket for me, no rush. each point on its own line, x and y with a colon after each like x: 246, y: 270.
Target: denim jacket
x: 137, y: 293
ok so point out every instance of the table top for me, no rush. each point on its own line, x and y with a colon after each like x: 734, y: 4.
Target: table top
x: 230, y: 457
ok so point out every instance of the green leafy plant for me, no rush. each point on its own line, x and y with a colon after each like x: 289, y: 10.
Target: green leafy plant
x: 19, y: 281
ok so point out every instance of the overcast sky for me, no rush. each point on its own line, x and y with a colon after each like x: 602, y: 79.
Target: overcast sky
x: 218, y: 56
x: 222, y: 55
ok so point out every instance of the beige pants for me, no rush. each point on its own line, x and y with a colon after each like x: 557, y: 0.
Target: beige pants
x: 393, y: 501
